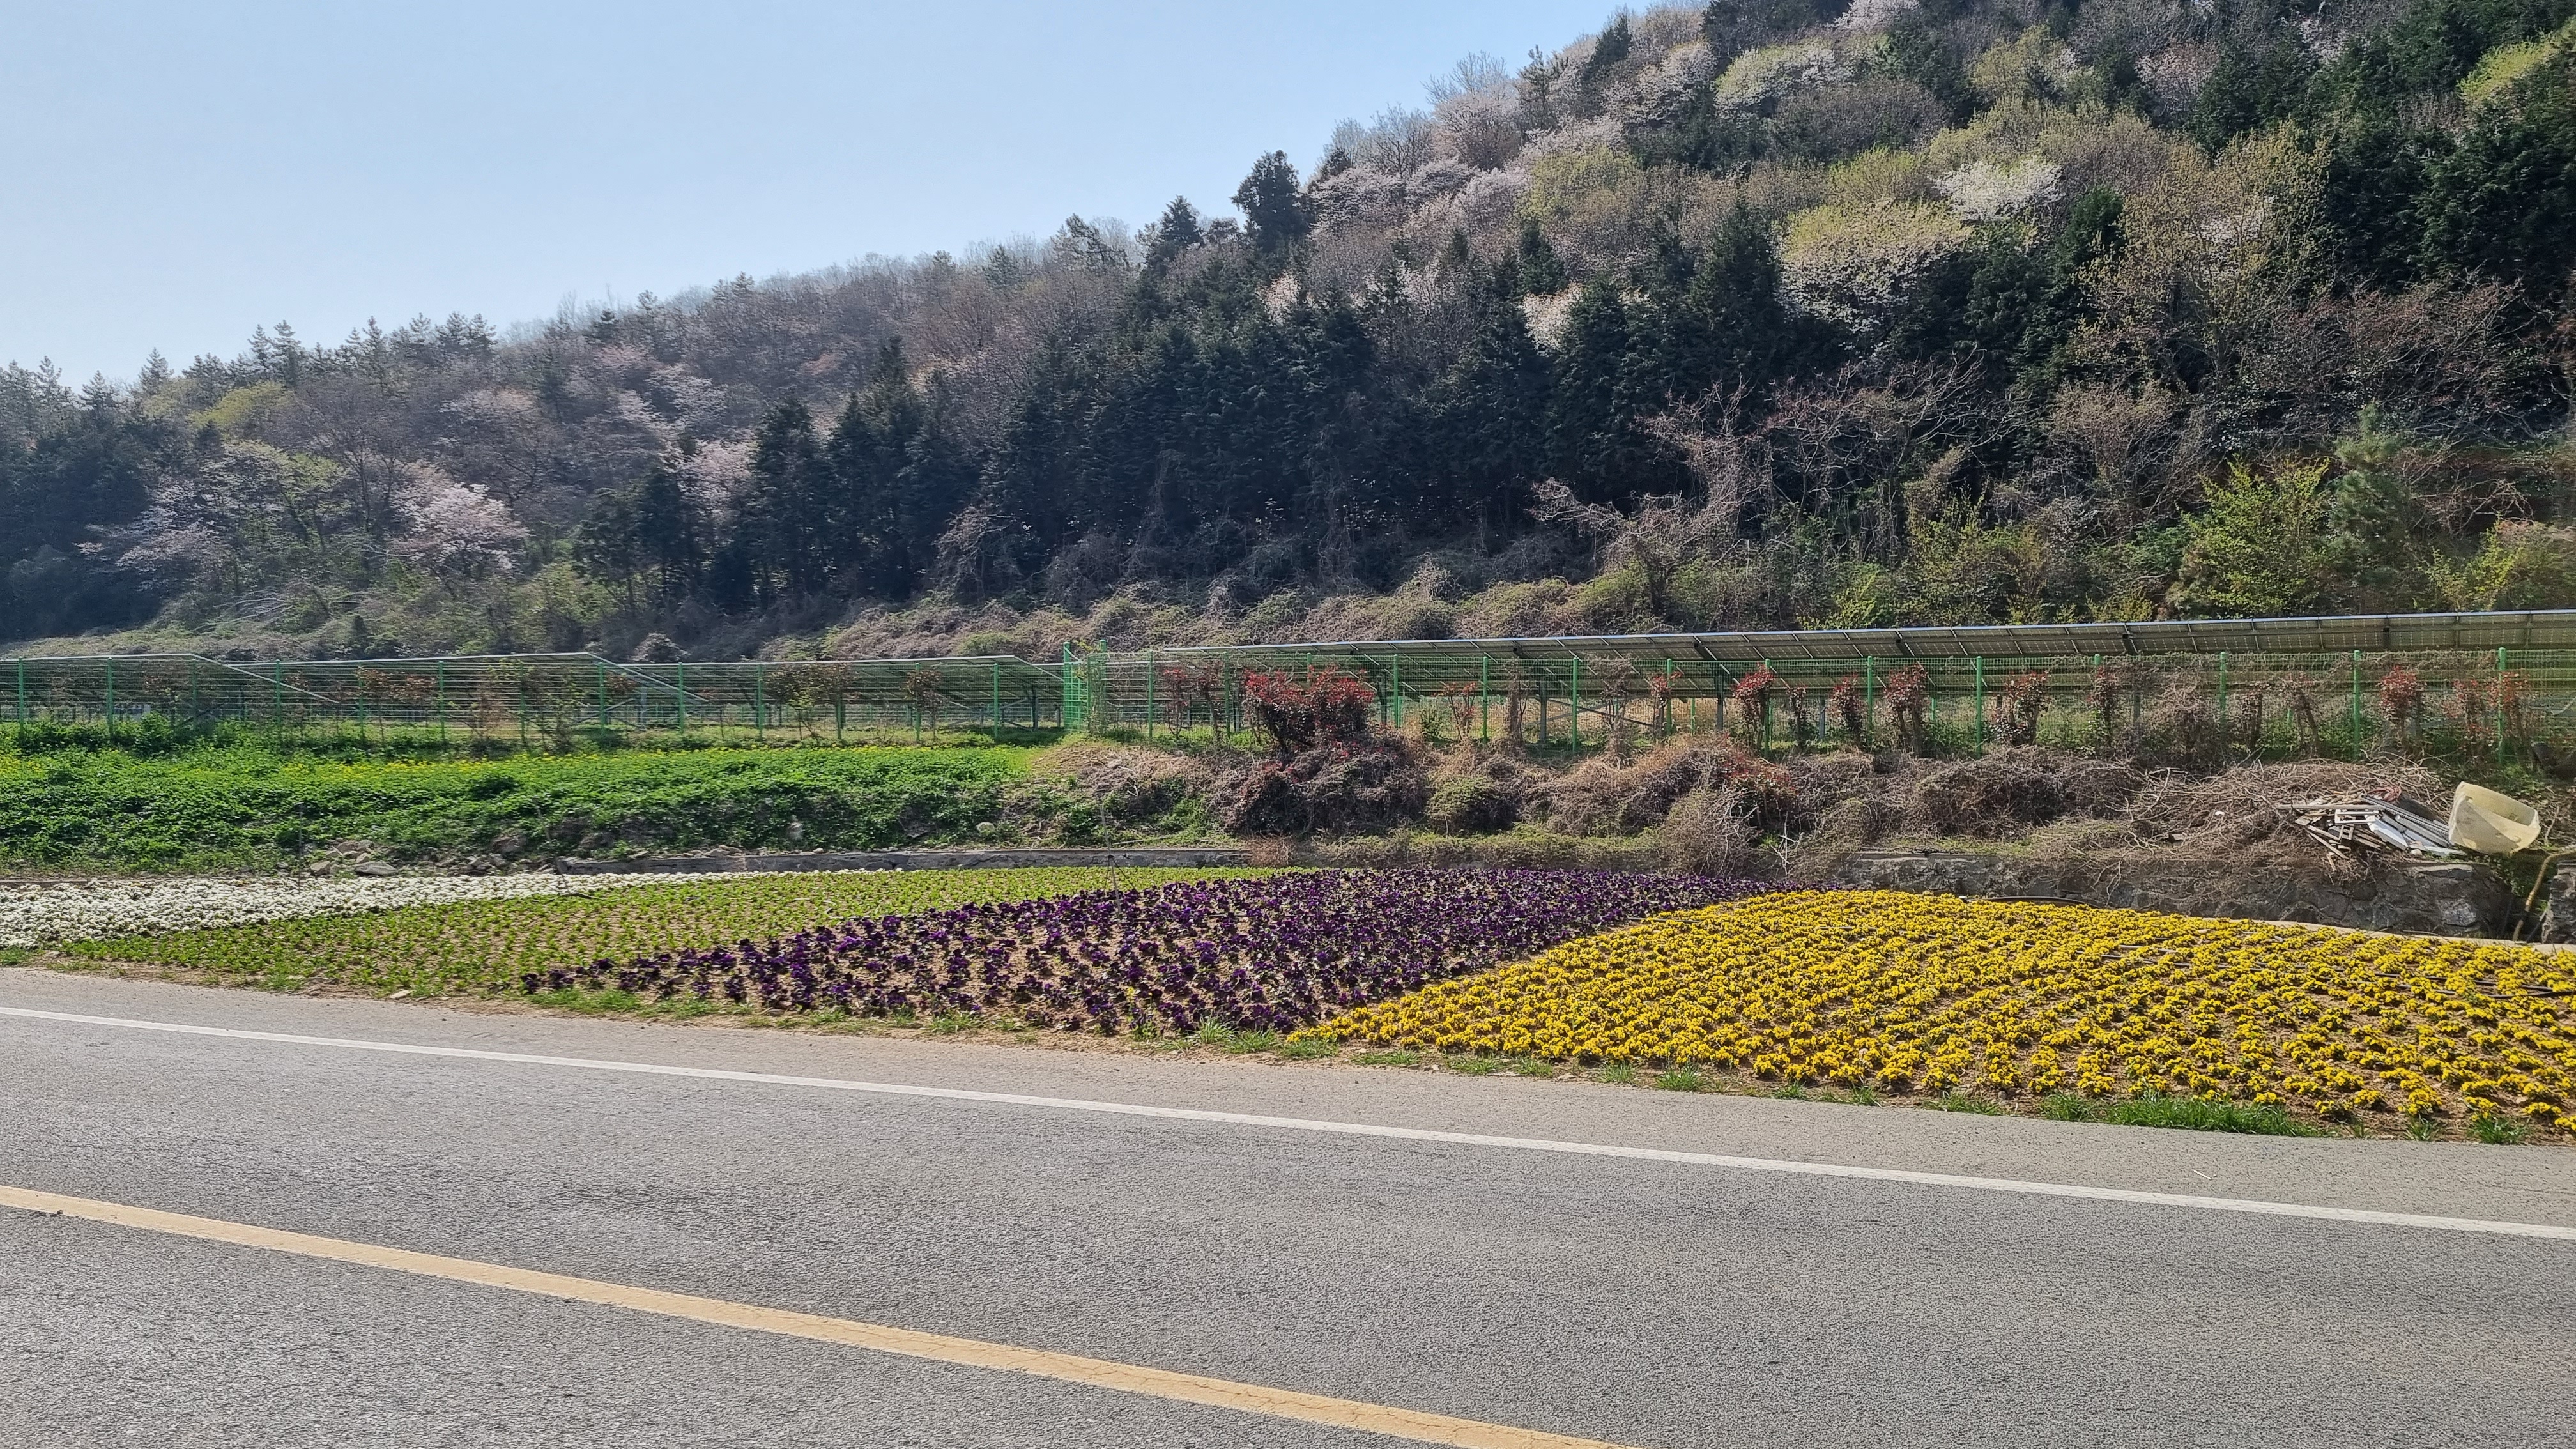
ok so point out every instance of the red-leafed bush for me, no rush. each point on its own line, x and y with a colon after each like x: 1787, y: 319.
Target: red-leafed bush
x: 1296, y: 714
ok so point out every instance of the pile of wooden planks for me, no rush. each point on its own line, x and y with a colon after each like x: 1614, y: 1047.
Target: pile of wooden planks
x: 2374, y: 820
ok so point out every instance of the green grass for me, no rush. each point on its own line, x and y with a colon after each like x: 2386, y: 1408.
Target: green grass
x: 483, y: 946
x: 1680, y: 1079
x: 1473, y: 1066
x: 1962, y: 1102
x: 243, y: 807
x: 2491, y: 1128
x: 1307, y: 1048
x: 1619, y: 1072
x: 1387, y: 1059
x: 2191, y: 1114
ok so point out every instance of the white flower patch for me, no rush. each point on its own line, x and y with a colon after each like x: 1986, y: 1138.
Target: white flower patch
x: 1867, y: 17
x: 1984, y: 191
x: 1547, y: 316
x: 39, y: 915
x: 1759, y: 76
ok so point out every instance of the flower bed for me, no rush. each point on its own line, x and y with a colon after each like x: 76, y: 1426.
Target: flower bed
x: 1899, y: 992
x: 48, y: 914
x: 1258, y: 955
x: 485, y: 946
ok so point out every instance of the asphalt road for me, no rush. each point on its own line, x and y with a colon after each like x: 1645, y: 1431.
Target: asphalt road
x: 1642, y: 1302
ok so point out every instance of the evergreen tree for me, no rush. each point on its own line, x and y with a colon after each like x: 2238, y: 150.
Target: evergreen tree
x: 2503, y: 204
x: 784, y: 537
x: 670, y: 534
x: 1490, y: 413
x: 1273, y: 210
x: 1534, y: 269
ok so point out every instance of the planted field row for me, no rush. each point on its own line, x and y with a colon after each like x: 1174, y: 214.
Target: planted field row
x: 487, y: 946
x: 51, y: 913
x: 239, y: 808
x: 1898, y: 992
x: 1265, y: 954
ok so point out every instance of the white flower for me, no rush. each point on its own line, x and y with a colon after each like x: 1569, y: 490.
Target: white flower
x: 1984, y: 191
x: 39, y: 915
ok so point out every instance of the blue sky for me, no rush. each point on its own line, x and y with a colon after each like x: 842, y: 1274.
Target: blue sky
x: 182, y: 172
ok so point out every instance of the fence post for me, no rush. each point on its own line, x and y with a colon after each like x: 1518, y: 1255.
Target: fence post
x: 22, y: 694
x: 2222, y: 695
x: 680, y: 698
x: 1868, y: 696
x: 603, y: 693
x: 2356, y: 704
x: 1574, y: 706
x: 1484, y: 697
x: 2504, y: 747
x: 997, y: 697
x: 277, y: 699
x: 1395, y: 686
x: 439, y: 675
x: 1149, y: 694
x: 111, y: 698
x: 759, y: 704
x: 1977, y: 663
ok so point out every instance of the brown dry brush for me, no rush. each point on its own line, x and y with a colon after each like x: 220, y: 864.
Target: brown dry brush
x: 2103, y: 696
x: 2299, y: 693
x: 2471, y: 712
x: 1752, y: 696
x: 2401, y: 703
x: 1851, y: 711
x: 2512, y: 697
x: 2182, y: 722
x: 2023, y: 699
x: 1802, y: 719
x: 1909, y: 698
x: 2246, y: 718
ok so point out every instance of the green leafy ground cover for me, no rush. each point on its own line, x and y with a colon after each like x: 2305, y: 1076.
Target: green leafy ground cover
x: 241, y: 807
x: 484, y: 946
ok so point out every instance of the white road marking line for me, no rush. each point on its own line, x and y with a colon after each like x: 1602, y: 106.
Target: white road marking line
x: 1786, y: 1166
x: 1276, y: 1403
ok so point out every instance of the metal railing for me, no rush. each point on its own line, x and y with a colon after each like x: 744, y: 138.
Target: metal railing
x: 2521, y: 665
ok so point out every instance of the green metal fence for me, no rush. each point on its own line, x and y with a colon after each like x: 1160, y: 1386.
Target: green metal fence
x: 2510, y: 674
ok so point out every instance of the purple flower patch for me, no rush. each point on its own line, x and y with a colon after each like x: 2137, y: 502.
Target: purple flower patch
x: 1271, y: 954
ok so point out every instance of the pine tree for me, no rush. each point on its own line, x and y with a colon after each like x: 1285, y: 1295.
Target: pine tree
x: 1273, y: 211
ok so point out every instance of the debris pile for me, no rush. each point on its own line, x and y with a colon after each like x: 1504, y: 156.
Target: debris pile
x: 2387, y: 819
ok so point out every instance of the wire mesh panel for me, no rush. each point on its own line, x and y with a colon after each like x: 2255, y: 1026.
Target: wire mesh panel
x: 2509, y: 675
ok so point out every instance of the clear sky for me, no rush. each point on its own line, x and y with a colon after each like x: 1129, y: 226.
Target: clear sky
x: 183, y: 171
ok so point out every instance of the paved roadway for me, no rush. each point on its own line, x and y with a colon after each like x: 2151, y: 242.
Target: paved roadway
x: 1647, y: 1303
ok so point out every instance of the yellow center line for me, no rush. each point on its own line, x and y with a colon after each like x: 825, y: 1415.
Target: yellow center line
x: 1394, y: 1422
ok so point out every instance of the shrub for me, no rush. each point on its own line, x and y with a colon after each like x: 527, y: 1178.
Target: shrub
x: 1294, y: 715
x: 1472, y: 805
x: 1332, y: 787
x: 1712, y: 832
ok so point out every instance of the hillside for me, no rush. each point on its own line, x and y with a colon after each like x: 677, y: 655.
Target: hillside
x: 1754, y: 315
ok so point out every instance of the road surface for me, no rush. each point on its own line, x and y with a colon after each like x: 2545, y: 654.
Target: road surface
x: 1630, y: 1299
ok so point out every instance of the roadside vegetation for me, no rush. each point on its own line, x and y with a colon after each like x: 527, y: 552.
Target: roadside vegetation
x: 248, y: 805
x: 2077, y: 1013
x: 491, y: 946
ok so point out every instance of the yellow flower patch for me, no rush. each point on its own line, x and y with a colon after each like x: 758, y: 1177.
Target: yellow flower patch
x: 1905, y: 992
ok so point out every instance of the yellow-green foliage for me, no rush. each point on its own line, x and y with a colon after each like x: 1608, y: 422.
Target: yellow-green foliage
x: 484, y: 945
x: 2499, y: 68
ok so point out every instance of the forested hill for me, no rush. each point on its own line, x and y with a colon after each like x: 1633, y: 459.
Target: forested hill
x: 1771, y: 313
